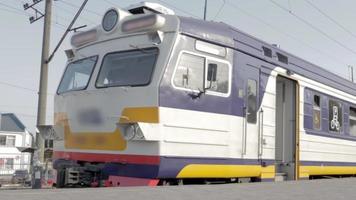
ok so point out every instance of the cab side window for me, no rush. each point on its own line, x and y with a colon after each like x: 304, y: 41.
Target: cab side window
x: 220, y: 81
x: 202, y: 74
x: 190, y: 72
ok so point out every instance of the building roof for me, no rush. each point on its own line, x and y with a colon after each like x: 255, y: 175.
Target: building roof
x: 10, y: 123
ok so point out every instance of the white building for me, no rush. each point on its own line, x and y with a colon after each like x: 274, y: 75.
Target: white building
x: 13, y: 134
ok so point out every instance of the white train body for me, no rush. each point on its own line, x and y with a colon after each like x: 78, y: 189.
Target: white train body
x: 161, y: 97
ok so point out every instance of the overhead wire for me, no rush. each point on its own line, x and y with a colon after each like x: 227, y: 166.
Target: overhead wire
x: 61, y: 8
x: 181, y: 10
x: 111, y: 3
x: 313, y: 27
x: 17, y: 10
x: 21, y: 87
x: 220, y: 9
x: 330, y: 18
x: 85, y: 9
x: 280, y: 31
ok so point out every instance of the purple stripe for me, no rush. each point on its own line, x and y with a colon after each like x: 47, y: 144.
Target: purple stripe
x: 325, y: 132
x: 220, y: 33
x: 325, y: 163
x: 131, y: 170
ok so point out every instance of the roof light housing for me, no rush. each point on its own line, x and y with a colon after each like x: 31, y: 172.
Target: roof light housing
x: 83, y: 38
x: 150, y: 22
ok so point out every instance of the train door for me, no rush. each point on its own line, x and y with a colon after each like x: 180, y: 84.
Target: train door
x: 251, y: 129
x: 286, y: 128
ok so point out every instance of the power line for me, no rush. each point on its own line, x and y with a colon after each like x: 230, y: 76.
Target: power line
x: 330, y: 18
x: 175, y: 7
x: 19, y: 11
x: 71, y: 12
x: 111, y: 3
x: 312, y: 26
x: 220, y: 9
x: 276, y: 29
x: 18, y: 106
x: 76, y: 6
x: 23, y: 114
x: 20, y: 87
x: 61, y: 8
x: 12, y: 11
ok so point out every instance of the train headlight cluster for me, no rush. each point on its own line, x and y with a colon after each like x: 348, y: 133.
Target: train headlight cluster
x: 132, y: 132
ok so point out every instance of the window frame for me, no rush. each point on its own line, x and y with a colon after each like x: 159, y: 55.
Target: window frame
x: 341, y: 104
x: 3, y: 145
x: 125, y: 51
x: 89, y: 79
x: 207, y: 58
x: 319, y: 109
x: 7, y: 165
x: 7, y: 140
x: 256, y: 99
x: 353, y: 118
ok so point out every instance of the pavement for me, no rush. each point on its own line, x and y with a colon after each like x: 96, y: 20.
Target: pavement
x: 333, y: 189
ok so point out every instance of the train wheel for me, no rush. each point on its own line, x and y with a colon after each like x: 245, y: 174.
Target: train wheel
x: 60, y: 178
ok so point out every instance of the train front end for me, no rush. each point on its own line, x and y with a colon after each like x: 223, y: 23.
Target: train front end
x: 107, y: 103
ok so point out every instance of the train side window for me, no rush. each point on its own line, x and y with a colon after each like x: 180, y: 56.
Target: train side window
x: 251, y: 101
x: 352, y: 121
x: 335, y: 116
x: 316, y: 113
x: 220, y: 83
x: 190, y: 72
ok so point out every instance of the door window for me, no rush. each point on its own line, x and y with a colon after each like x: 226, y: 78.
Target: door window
x: 352, y: 121
x: 251, y: 101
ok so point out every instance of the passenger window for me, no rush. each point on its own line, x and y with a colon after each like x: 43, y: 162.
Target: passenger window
x: 352, y: 121
x: 335, y: 116
x: 316, y: 113
x: 190, y: 72
x: 251, y: 101
x: 220, y: 82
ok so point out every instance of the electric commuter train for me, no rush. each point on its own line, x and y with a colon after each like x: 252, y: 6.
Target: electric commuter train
x: 151, y: 98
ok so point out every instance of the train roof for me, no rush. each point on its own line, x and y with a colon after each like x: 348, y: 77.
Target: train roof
x: 228, y: 36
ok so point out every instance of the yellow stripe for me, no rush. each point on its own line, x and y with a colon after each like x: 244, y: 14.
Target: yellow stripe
x: 229, y: 171
x: 105, y: 140
x: 327, y: 170
x: 226, y: 171
x: 140, y: 114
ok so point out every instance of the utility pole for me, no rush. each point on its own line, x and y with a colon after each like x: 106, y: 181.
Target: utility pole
x: 42, y: 94
x: 205, y: 8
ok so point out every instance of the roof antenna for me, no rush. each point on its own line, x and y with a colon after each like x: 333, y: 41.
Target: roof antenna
x: 205, y: 9
x: 351, y: 73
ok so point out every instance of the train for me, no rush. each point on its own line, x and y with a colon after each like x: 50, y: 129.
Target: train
x: 152, y: 98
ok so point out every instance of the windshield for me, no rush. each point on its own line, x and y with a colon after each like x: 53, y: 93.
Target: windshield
x: 77, y: 75
x: 129, y: 68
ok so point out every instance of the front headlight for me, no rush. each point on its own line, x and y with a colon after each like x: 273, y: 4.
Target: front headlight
x: 131, y: 131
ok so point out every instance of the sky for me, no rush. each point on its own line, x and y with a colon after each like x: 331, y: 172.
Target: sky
x: 320, y: 31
